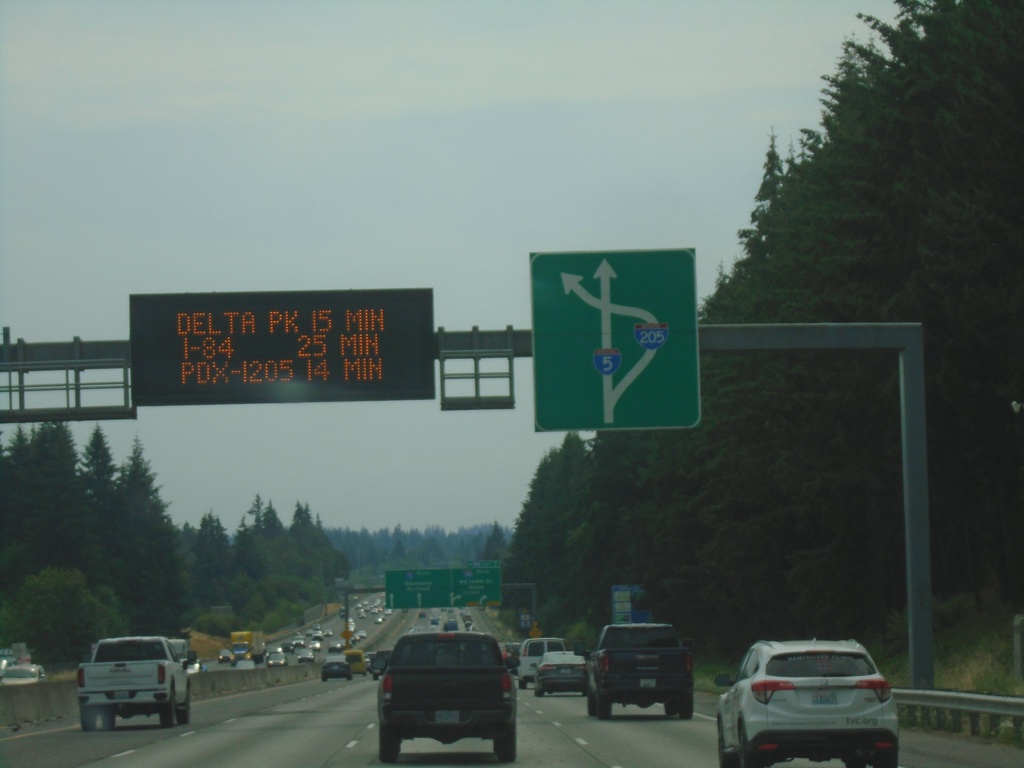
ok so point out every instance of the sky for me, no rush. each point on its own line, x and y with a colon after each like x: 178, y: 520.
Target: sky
x: 172, y: 147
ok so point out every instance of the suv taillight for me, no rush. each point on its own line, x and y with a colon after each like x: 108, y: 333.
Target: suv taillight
x: 161, y: 674
x: 606, y: 663
x: 879, y: 685
x: 386, y: 684
x: 763, y: 690
x: 506, y: 686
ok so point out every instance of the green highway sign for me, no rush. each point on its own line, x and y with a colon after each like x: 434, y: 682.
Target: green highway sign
x: 442, y: 587
x: 423, y: 588
x: 476, y: 585
x: 615, y: 340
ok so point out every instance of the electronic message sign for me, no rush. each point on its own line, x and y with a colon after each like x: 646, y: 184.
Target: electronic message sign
x: 282, y: 347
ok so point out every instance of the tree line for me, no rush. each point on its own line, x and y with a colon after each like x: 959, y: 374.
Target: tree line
x: 88, y: 550
x: 782, y: 514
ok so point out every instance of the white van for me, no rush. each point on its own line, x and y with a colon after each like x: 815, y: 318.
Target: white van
x: 530, y: 653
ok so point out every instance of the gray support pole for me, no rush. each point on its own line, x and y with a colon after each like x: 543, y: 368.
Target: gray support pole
x: 916, y: 517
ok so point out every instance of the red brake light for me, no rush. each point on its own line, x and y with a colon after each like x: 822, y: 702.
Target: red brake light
x: 161, y: 674
x: 506, y: 686
x: 81, y: 677
x: 763, y: 690
x: 606, y: 662
x: 879, y: 685
x: 386, y: 684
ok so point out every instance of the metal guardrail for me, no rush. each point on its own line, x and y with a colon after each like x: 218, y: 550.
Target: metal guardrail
x: 947, y: 709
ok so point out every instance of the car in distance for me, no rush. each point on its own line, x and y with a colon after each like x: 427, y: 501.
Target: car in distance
x: 287, y: 646
x: 277, y: 659
x: 23, y: 674
x: 813, y: 699
x: 560, y: 672
x: 530, y: 654
x: 225, y: 656
x: 304, y: 656
x: 335, y: 666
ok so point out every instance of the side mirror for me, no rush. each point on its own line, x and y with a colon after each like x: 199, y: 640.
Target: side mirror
x: 577, y: 648
x: 192, y: 657
x: 724, y: 680
x: 512, y: 662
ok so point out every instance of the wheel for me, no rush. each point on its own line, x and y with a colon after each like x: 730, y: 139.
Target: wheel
x: 749, y: 758
x: 725, y: 759
x: 522, y: 684
x: 184, y: 712
x: 671, y: 708
x: 604, y: 707
x: 389, y: 745
x: 167, y: 715
x: 505, y: 746
x: 323, y: 678
x: 591, y: 705
x: 686, y: 707
x: 537, y: 691
x: 88, y: 715
x: 108, y: 715
x: 886, y: 759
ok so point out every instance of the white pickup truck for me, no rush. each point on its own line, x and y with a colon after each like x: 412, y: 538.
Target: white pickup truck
x: 134, y: 676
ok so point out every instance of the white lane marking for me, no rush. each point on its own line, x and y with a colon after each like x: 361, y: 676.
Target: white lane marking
x: 123, y: 754
x: 351, y: 744
x: 581, y: 742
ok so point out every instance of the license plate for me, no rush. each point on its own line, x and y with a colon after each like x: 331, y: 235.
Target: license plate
x: 447, y: 716
x: 121, y: 694
x: 648, y: 682
x: 566, y: 671
x: 826, y: 698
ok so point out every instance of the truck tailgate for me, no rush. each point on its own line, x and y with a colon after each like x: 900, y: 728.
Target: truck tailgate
x: 120, y: 675
x: 423, y: 689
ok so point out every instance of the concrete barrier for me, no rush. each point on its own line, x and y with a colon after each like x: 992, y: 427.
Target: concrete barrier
x: 48, y: 701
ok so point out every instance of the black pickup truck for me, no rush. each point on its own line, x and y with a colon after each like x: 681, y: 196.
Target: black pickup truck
x: 640, y: 664
x: 447, y: 686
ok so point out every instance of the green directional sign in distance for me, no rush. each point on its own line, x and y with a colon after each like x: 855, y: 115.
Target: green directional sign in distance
x: 423, y: 588
x: 615, y: 343
x: 476, y: 586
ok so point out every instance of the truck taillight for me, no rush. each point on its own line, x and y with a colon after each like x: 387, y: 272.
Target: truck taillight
x: 879, y: 685
x: 506, y: 686
x: 763, y: 690
x: 81, y: 678
x: 606, y: 663
x: 386, y: 684
x: 161, y: 674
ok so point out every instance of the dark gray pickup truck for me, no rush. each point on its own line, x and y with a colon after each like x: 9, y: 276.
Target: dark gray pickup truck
x: 447, y: 686
x: 640, y: 664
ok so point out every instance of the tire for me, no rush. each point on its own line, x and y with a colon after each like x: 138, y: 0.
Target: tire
x: 604, y: 707
x: 505, y: 746
x: 686, y: 707
x: 522, y: 684
x: 748, y: 757
x: 108, y: 717
x: 87, y: 716
x: 725, y: 759
x: 537, y: 691
x: 389, y: 744
x: 591, y: 704
x: 183, y: 714
x: 886, y: 760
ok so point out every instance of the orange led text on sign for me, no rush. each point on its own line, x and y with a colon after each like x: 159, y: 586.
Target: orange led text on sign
x: 209, y: 356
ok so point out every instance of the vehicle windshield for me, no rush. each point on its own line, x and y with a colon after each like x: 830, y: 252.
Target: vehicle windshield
x: 16, y: 672
x: 445, y: 652
x: 827, y: 664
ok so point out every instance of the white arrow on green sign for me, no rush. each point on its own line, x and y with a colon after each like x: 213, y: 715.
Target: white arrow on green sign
x: 615, y: 341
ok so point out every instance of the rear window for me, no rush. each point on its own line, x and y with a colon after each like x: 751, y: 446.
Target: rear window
x: 543, y: 646
x: 641, y: 637
x: 132, y: 650
x: 820, y: 665
x: 445, y: 652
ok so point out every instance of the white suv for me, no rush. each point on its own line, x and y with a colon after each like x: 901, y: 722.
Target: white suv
x: 814, y: 699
